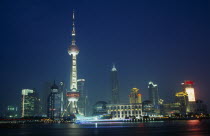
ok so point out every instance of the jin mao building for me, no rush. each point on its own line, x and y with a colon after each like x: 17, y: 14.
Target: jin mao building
x: 115, y: 86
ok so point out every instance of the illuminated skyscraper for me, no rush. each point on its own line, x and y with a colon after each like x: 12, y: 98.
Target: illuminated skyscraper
x: 73, y: 94
x: 182, y: 98
x: 135, y: 96
x: 188, y: 88
x: 29, y: 103
x: 115, y: 86
x: 153, y: 93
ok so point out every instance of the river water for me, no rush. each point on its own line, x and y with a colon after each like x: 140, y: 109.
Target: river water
x: 156, y: 128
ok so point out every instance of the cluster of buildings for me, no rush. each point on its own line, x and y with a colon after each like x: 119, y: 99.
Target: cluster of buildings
x: 184, y: 105
x: 59, y: 102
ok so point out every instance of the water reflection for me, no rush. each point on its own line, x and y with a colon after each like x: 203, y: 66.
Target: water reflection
x: 181, y: 127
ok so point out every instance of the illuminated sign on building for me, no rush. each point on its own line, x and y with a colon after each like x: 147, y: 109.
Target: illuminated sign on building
x: 191, y: 94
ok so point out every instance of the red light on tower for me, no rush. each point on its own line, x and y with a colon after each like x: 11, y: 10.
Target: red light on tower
x: 188, y: 82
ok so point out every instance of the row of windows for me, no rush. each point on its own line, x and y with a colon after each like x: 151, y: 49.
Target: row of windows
x: 123, y: 116
x: 126, y: 112
x: 124, y: 107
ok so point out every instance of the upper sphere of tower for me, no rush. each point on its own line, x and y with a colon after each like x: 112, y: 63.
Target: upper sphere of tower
x: 73, y: 50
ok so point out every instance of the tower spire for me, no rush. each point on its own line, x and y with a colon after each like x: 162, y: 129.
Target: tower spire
x: 114, y: 68
x: 73, y: 34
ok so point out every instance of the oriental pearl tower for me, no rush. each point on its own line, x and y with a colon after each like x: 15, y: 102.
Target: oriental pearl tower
x: 73, y: 94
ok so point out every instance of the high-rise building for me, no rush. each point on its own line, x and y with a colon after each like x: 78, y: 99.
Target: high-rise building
x: 83, y: 99
x: 153, y: 93
x: 115, y: 86
x: 73, y: 94
x: 62, y: 90
x: 46, y: 90
x: 188, y: 87
x: 54, y: 103
x: 80, y: 87
x: 182, y: 98
x: 135, y: 96
x: 30, y: 103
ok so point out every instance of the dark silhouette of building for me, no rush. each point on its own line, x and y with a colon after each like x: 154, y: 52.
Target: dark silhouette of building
x: 46, y: 90
x: 63, y: 91
x: 201, y: 108
x: 54, y: 103
x: 83, y: 99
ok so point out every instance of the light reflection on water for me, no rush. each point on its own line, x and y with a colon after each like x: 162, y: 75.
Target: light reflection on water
x: 181, y: 127
x: 189, y: 124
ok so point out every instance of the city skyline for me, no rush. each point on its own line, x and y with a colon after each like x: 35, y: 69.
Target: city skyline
x: 141, y: 53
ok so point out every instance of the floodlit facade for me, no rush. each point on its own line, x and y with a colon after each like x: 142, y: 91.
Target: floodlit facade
x: 73, y: 95
x: 29, y: 103
x: 188, y: 87
x: 115, y: 86
x: 125, y: 111
x: 191, y: 94
x: 135, y: 96
x: 153, y: 93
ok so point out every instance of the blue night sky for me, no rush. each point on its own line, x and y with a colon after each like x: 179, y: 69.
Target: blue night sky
x: 164, y: 41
